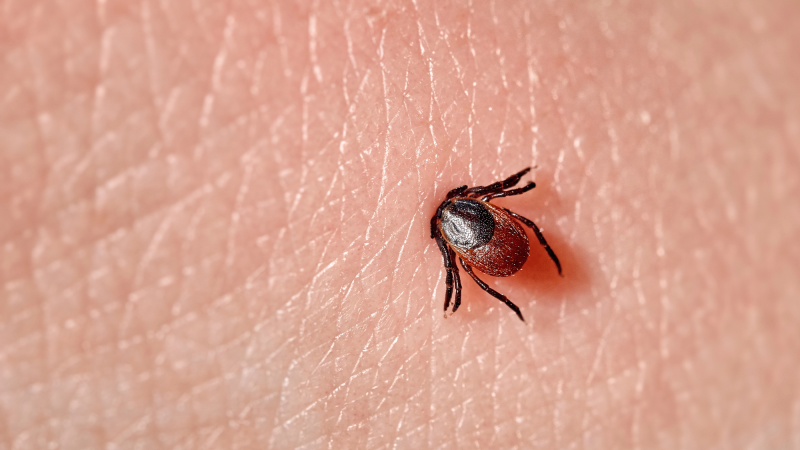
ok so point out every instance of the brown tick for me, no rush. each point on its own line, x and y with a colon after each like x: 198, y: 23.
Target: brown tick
x: 483, y: 235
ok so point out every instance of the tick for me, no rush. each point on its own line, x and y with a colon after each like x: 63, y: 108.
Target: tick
x: 484, y: 236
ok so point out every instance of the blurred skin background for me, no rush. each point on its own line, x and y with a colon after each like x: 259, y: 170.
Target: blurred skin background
x: 214, y: 224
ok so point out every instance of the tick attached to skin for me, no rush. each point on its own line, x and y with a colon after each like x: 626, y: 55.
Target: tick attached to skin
x: 483, y: 236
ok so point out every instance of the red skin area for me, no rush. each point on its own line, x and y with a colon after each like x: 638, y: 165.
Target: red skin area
x: 214, y: 224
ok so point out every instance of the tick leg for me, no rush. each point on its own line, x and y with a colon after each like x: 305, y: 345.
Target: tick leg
x: 514, y: 179
x: 453, y: 279
x: 498, y: 186
x: 449, y: 291
x: 448, y: 265
x: 491, y: 291
x: 456, y: 192
x: 457, y: 280
x: 511, y: 192
x: 539, y: 236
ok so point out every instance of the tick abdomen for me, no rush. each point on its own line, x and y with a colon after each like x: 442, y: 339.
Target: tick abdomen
x: 485, y: 235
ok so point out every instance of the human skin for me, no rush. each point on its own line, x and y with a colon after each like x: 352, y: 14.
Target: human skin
x: 214, y: 224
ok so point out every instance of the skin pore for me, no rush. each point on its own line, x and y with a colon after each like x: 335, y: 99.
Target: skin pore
x: 214, y: 224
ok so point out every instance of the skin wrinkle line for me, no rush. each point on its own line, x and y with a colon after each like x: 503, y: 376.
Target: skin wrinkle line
x: 292, y: 209
x: 214, y: 435
x: 671, y: 280
x: 256, y: 80
x: 499, y: 373
x: 376, y: 143
x: 222, y: 55
x: 324, y: 357
x: 433, y: 100
x: 29, y: 339
x: 248, y: 164
x: 80, y: 166
x: 504, y: 78
x: 495, y: 361
x: 282, y: 401
x: 407, y: 360
x: 397, y: 428
x: 453, y: 59
x: 304, y: 112
x: 348, y: 37
x: 129, y: 226
x: 389, y: 350
x: 408, y: 303
x: 533, y: 82
x: 408, y: 433
x: 380, y: 250
x: 180, y: 320
x: 265, y: 361
x: 359, y: 91
x: 612, y: 132
x: 277, y: 25
x: 548, y: 403
x: 250, y: 279
x: 51, y: 219
x: 136, y: 424
x: 152, y: 248
x: 502, y: 140
x: 327, y: 244
x: 312, y: 41
x: 461, y: 411
x: 409, y: 227
x: 286, y: 422
x: 208, y: 99
x: 600, y: 348
x: 471, y: 90
x: 311, y: 290
x: 336, y: 337
x: 147, y: 37
x: 334, y: 179
x: 353, y: 374
x: 89, y: 197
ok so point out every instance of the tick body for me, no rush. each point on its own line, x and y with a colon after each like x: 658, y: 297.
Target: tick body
x: 483, y: 236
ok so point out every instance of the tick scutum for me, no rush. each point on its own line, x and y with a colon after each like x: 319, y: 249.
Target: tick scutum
x: 467, y: 224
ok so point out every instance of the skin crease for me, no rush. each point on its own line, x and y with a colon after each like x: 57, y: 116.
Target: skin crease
x: 214, y: 224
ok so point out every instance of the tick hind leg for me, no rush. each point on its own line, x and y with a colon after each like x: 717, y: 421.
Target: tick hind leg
x: 492, y: 292
x: 539, y: 236
x: 497, y: 186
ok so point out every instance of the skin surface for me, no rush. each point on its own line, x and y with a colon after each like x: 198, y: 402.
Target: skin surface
x: 214, y: 224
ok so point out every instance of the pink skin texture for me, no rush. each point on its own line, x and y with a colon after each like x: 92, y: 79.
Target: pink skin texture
x: 214, y: 224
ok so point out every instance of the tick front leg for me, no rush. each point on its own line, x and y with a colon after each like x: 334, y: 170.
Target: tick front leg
x: 491, y: 291
x: 456, y: 192
x: 498, y: 186
x: 434, y: 224
x: 514, y: 179
x: 511, y: 192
